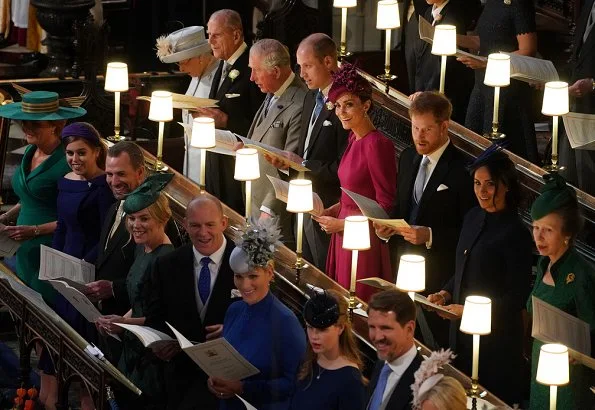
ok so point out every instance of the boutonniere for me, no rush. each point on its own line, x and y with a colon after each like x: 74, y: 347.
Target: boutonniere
x: 570, y: 278
x: 330, y: 106
x: 438, y: 17
x: 233, y: 74
x: 507, y: 2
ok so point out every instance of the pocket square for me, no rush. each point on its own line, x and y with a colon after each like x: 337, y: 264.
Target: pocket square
x: 235, y: 294
x: 327, y: 123
x: 442, y: 187
x: 277, y: 124
x: 232, y: 95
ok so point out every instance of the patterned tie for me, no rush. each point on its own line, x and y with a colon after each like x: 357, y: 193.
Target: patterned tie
x: 420, y: 181
x: 317, y: 107
x: 376, y: 400
x: 204, y: 280
x: 117, y: 220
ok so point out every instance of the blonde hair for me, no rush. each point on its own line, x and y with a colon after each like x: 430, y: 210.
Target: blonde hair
x: 159, y: 210
x: 347, y: 344
x: 447, y: 394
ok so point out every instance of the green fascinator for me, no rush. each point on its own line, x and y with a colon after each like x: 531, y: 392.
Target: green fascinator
x: 147, y: 192
x: 554, y: 195
x: 256, y: 246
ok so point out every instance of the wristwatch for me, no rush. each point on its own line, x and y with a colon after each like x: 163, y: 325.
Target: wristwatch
x: 36, y: 230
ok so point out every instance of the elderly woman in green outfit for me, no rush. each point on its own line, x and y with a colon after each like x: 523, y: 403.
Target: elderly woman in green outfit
x: 564, y: 280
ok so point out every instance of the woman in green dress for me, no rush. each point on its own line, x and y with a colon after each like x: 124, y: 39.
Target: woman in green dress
x: 564, y: 280
x: 36, y: 180
x: 147, y: 211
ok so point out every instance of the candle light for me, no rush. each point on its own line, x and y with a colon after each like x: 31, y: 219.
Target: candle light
x: 344, y: 5
x: 387, y: 18
x: 444, y: 44
x: 299, y: 200
x: 247, y: 169
x: 497, y: 75
x: 552, y: 369
x: 476, y: 320
x: 555, y: 103
x: 161, y: 110
x: 203, y: 137
x: 411, y: 276
x: 116, y: 80
x: 356, y: 237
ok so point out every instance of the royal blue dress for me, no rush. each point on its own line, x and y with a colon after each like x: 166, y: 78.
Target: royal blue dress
x: 339, y: 389
x: 269, y: 336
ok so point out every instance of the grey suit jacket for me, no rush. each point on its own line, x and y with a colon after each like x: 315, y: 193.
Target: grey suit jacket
x: 280, y: 129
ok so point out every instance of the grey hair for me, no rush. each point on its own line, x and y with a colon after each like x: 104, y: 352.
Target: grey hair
x: 231, y: 18
x: 273, y: 53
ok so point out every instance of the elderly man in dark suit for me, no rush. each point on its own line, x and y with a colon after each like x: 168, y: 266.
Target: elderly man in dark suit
x: 391, y: 324
x: 434, y: 192
x: 190, y: 288
x: 238, y: 98
x: 277, y: 122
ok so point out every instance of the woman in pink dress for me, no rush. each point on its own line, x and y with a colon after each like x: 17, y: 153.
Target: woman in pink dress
x: 368, y: 167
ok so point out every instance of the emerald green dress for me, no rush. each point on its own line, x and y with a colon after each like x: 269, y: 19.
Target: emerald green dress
x: 574, y: 293
x: 38, y: 192
x: 139, y: 365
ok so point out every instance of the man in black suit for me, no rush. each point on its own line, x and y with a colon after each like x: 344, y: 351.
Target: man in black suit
x: 239, y: 99
x: 580, y: 164
x: 322, y: 137
x: 434, y: 192
x: 190, y: 288
x: 391, y: 324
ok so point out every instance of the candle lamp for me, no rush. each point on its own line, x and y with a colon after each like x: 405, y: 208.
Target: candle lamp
x: 161, y: 110
x: 444, y: 44
x: 388, y: 19
x: 299, y: 200
x: 476, y: 321
x: 116, y: 81
x: 344, y: 5
x: 411, y: 276
x: 552, y: 369
x: 203, y: 137
x: 247, y: 169
x: 497, y: 75
x: 356, y: 237
x: 555, y: 103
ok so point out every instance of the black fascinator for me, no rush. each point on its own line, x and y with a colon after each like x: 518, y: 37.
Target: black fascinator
x: 321, y: 311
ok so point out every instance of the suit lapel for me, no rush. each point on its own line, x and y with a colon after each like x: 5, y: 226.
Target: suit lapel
x: 216, y: 80
x: 222, y: 289
x: 255, y: 124
x: 401, y: 395
x: 579, y: 47
x: 309, y: 102
x: 436, y: 178
x: 407, y: 186
x: 105, y: 230
x: 228, y: 82
x: 322, y: 117
x: 187, y: 283
x: 469, y: 242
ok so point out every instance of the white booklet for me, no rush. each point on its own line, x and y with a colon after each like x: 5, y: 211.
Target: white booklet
x: 552, y: 325
x: 187, y: 102
x: 373, y: 211
x: 224, y: 140
x: 8, y: 246
x: 148, y: 336
x: 580, y: 129
x: 295, y: 161
x: 217, y: 358
x: 282, y: 189
x: 79, y: 301
x: 532, y: 70
x: 59, y: 265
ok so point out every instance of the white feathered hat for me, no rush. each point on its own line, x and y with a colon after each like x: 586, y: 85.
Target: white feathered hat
x: 182, y: 44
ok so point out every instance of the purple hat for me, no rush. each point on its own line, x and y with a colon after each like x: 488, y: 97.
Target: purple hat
x: 348, y: 80
x: 82, y: 130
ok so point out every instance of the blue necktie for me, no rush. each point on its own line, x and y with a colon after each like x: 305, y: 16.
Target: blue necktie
x: 420, y: 180
x: 376, y: 400
x: 204, y: 280
x: 317, y: 107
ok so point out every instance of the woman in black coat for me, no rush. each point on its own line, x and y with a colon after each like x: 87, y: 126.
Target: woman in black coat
x: 493, y: 259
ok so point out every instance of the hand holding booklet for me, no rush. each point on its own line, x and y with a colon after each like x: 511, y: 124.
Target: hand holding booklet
x: 294, y: 160
x: 580, y: 129
x: 281, y: 193
x: 374, y: 211
x: 8, y: 246
x: 186, y: 102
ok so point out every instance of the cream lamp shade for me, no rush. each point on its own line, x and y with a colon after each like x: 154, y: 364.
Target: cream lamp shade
x: 477, y: 316
x: 552, y: 368
x: 203, y: 133
x: 497, y: 70
x: 411, y: 276
x: 116, y: 77
x: 445, y: 40
x: 555, y: 98
x: 299, y: 197
x: 161, y: 108
x: 344, y: 4
x: 356, y: 234
x: 387, y: 17
x: 247, y: 168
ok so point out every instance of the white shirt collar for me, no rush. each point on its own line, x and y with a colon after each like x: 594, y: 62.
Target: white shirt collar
x: 234, y: 57
x: 325, y: 90
x: 284, y: 86
x: 216, y: 256
x: 402, y: 363
x: 435, y: 156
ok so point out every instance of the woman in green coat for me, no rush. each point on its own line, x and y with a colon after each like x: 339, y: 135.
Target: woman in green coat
x: 564, y: 280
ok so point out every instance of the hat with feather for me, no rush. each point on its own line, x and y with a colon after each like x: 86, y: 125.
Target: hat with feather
x: 182, y: 45
x: 256, y: 247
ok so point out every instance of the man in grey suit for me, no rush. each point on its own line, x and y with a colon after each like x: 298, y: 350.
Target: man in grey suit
x: 277, y: 122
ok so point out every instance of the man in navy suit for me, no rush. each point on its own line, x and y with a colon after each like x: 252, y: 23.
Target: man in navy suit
x: 190, y: 288
x: 391, y: 325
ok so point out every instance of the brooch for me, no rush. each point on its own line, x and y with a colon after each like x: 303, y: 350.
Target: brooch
x: 508, y: 2
x: 330, y: 106
x: 570, y: 278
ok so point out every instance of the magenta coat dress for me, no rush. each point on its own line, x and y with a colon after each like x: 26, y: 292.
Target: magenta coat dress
x: 368, y: 167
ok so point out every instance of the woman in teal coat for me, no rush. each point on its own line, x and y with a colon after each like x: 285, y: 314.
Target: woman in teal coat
x: 36, y: 180
x: 564, y: 280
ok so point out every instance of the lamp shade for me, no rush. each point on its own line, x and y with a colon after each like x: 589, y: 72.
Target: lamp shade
x: 477, y: 316
x: 555, y: 98
x: 161, y: 108
x: 387, y: 17
x: 497, y: 70
x: 247, y: 168
x: 343, y: 4
x: 411, y: 276
x: 552, y: 368
x: 203, y: 132
x: 299, y: 197
x: 356, y: 234
x: 116, y: 77
x: 445, y: 40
